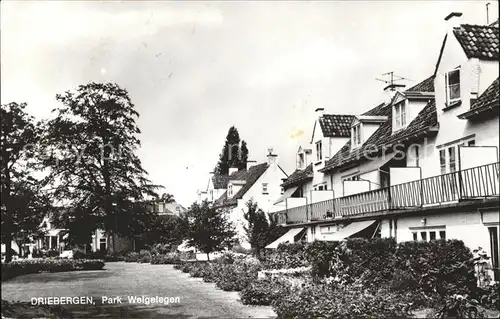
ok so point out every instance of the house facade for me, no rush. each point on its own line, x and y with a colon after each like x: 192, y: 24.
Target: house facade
x: 422, y: 166
x: 260, y: 183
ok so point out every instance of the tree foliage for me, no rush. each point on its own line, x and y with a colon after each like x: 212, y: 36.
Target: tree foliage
x: 233, y: 154
x: 23, y: 204
x: 93, y: 165
x: 260, y: 231
x: 209, y: 230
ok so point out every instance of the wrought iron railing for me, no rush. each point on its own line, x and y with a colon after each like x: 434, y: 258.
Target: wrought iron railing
x: 473, y: 183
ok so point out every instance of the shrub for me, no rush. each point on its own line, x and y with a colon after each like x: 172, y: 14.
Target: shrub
x: 161, y: 249
x: 285, y: 256
x: 490, y: 297
x: 241, y: 250
x: 28, y: 266
x: 320, y: 255
x: 132, y: 257
x: 319, y: 300
x: 264, y: 292
x: 237, y: 276
x: 169, y: 258
x: 144, y: 256
x: 443, y: 267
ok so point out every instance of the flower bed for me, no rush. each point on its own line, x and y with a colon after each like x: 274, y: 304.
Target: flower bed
x: 29, y: 266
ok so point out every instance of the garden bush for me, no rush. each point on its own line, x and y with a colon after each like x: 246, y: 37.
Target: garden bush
x: 29, y: 266
x: 169, y: 258
x: 161, y: 249
x: 325, y: 301
x: 320, y: 255
x: 444, y: 267
x: 264, y: 292
x: 144, y: 256
x: 237, y: 276
x: 132, y: 257
x: 285, y: 256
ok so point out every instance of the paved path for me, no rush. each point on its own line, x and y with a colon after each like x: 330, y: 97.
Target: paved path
x: 197, y: 299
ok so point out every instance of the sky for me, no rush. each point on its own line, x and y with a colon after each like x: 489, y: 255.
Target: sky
x: 195, y: 68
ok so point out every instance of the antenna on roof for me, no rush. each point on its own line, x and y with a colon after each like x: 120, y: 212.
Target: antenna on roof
x: 487, y: 13
x: 391, y: 81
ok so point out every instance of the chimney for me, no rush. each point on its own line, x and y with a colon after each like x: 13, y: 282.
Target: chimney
x: 271, y: 157
x: 392, y: 89
x: 232, y: 169
x: 320, y: 111
x: 251, y: 163
x: 452, y: 21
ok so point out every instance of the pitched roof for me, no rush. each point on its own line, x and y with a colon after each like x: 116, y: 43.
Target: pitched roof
x: 220, y: 181
x: 489, y: 97
x: 383, y: 137
x: 426, y: 85
x: 487, y: 100
x: 250, y: 176
x: 336, y: 125
x: 478, y: 41
x: 299, y: 176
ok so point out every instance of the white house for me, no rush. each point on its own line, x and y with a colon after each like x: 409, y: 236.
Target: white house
x: 422, y: 166
x: 260, y: 183
x: 216, y: 187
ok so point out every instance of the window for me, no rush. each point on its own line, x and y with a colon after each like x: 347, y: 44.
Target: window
x: 429, y: 234
x: 282, y: 190
x: 400, y: 115
x: 442, y: 234
x: 452, y: 157
x: 356, y: 134
x: 319, y: 151
x: 230, y: 190
x: 442, y: 161
x: 495, y: 250
x: 423, y: 235
x: 102, y: 244
x: 352, y: 178
x: 211, y: 195
x: 264, y: 188
x: 432, y: 235
x: 452, y: 86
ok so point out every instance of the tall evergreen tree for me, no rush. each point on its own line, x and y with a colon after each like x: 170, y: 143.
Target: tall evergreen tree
x: 230, y: 152
x: 243, y: 155
x: 23, y: 202
x: 93, y: 163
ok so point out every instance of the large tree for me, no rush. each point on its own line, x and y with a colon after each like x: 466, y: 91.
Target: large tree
x: 231, y: 156
x: 209, y: 230
x: 243, y: 156
x: 23, y: 203
x: 93, y: 163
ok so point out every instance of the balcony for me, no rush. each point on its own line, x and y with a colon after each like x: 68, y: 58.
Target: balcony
x: 466, y: 185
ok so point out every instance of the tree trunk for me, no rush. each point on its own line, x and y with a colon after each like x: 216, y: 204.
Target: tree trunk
x: 208, y: 256
x: 8, y: 222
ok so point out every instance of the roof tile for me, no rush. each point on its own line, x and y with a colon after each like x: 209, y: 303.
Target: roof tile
x: 299, y: 176
x: 478, y: 41
x: 336, y: 125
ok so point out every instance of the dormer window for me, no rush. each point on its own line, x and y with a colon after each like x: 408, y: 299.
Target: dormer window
x: 356, y: 135
x: 452, y: 86
x: 319, y: 151
x: 399, y: 116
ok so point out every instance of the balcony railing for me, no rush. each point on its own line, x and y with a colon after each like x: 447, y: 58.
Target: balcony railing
x: 474, y: 183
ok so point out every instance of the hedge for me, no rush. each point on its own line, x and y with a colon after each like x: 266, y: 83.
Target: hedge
x: 263, y: 292
x: 30, y: 266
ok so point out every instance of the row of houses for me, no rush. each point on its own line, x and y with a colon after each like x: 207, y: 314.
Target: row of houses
x: 423, y: 165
